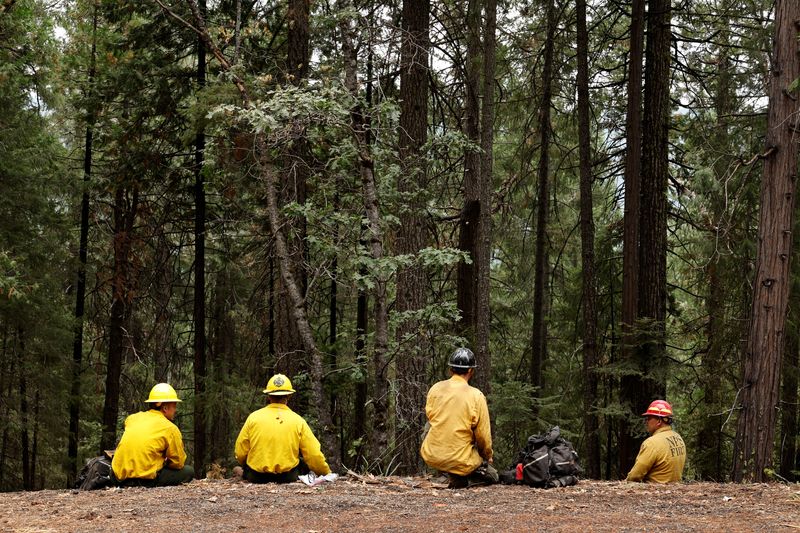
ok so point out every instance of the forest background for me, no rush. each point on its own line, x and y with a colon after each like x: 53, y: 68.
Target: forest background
x: 597, y: 197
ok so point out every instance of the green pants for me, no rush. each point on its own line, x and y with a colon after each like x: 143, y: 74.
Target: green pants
x: 485, y: 474
x: 166, y: 477
x: 265, y: 477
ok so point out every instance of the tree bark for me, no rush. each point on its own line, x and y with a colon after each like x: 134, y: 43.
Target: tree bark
x: 222, y: 351
x: 756, y: 427
x: 412, y: 236
x: 124, y: 216
x: 788, y: 407
x: 653, y: 213
x: 629, y: 397
x: 589, y: 291
x: 469, y: 222
x: 538, y: 345
x: 327, y: 432
x: 27, y: 478
x: 710, y: 436
x: 199, y: 315
x: 291, y: 359
x: 80, y: 290
x: 483, y: 255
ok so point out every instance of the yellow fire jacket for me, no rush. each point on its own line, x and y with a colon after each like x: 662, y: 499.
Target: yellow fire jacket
x: 273, y: 438
x: 661, y: 458
x: 460, y: 436
x: 150, y: 442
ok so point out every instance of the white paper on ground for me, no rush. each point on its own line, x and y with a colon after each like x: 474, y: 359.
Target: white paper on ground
x: 312, y: 480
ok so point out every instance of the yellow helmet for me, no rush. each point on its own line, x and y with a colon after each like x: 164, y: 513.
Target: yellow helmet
x: 279, y: 385
x: 162, y: 392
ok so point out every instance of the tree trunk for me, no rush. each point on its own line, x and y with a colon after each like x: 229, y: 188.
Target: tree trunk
x: 199, y: 315
x: 629, y: 395
x: 80, y: 290
x: 791, y: 369
x: 710, y: 436
x: 222, y: 350
x: 653, y: 213
x: 27, y: 477
x: 756, y: 427
x: 295, y: 297
x: 124, y: 215
x: 538, y: 345
x: 361, y: 127
x: 589, y: 293
x: 483, y: 255
x: 413, y: 348
x: 291, y: 359
x: 467, y: 287
x: 35, y: 443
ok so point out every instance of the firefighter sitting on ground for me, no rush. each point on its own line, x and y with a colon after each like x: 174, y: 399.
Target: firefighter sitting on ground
x: 662, y: 455
x: 459, y: 441
x: 273, y: 438
x: 150, y: 452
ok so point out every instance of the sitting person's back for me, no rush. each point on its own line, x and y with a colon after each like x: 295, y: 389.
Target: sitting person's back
x: 662, y: 456
x: 150, y: 452
x: 274, y: 437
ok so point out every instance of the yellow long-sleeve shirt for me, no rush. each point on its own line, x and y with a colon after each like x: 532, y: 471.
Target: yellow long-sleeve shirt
x: 460, y: 437
x: 273, y: 438
x: 661, y: 458
x: 150, y: 442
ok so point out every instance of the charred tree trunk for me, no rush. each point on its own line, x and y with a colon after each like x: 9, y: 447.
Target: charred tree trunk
x: 629, y: 385
x: 589, y: 293
x: 80, y: 289
x: 468, y: 230
x: 27, y: 476
x: 765, y: 343
x: 412, y: 236
x: 6, y: 386
x: 124, y: 215
x: 221, y: 352
x: 483, y: 256
x: 35, y: 444
x: 200, y: 407
x: 538, y: 345
x: 360, y: 398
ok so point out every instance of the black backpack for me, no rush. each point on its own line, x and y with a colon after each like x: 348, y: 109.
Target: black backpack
x: 96, y: 474
x: 548, y: 461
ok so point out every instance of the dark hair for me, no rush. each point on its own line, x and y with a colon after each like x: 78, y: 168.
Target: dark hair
x: 459, y: 371
x: 278, y: 398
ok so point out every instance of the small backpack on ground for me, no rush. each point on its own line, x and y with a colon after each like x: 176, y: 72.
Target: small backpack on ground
x: 548, y: 461
x: 96, y: 474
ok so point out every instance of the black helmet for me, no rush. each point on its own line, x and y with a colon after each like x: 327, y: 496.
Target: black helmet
x: 462, y: 358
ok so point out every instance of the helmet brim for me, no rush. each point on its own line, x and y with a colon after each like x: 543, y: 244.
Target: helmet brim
x: 278, y: 392
x: 171, y: 400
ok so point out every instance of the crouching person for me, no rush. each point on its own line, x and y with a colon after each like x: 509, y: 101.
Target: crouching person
x: 273, y: 438
x: 150, y: 453
x: 459, y: 441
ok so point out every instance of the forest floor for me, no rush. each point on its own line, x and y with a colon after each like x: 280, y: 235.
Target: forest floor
x: 407, y: 504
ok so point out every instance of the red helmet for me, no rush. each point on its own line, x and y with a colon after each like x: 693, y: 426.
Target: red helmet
x: 659, y: 408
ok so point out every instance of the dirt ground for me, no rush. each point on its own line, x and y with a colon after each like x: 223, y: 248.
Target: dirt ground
x: 407, y: 504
